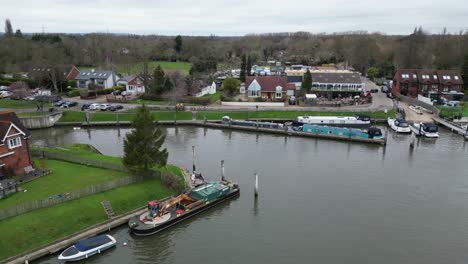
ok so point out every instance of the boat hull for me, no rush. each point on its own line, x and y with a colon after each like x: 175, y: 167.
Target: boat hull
x: 86, y: 254
x: 423, y: 133
x: 155, y: 229
x: 398, y: 129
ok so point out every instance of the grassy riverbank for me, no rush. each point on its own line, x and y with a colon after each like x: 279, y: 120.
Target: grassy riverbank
x: 212, y: 115
x: 76, y: 116
x: 42, y: 226
x: 65, y: 177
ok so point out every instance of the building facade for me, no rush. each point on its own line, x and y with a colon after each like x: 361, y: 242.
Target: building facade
x: 101, y: 79
x: 134, y: 84
x: 429, y: 83
x: 14, y: 146
x: 336, y: 83
x: 272, y: 88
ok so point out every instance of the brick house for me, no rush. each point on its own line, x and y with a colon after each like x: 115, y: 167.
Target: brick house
x: 428, y: 83
x: 14, y: 147
x: 70, y: 72
x: 134, y: 84
x: 101, y: 79
x: 274, y: 88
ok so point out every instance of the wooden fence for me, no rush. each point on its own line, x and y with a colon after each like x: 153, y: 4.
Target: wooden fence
x: 68, y: 196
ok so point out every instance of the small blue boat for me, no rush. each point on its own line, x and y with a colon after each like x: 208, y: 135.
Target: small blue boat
x: 85, y: 248
x: 372, y: 132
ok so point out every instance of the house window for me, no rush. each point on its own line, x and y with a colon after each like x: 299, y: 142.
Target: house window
x: 435, y: 77
x: 130, y: 87
x: 446, y: 88
x: 456, y: 77
x: 254, y: 93
x: 279, y: 92
x: 14, y: 143
x: 435, y: 86
x: 424, y: 87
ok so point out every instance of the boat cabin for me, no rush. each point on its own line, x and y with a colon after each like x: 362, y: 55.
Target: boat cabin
x: 430, y: 127
x: 154, y: 208
x: 401, y: 122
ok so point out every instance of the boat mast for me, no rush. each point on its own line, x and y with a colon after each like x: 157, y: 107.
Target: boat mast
x: 222, y: 171
x: 193, y: 159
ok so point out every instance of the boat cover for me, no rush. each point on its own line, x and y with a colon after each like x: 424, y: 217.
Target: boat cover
x: 93, y: 242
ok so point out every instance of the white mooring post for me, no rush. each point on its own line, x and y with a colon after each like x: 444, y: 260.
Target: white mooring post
x: 222, y: 171
x: 256, y: 184
x: 412, y: 140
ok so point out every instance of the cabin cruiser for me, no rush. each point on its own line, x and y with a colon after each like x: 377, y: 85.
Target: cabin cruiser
x: 399, y: 125
x: 429, y: 130
x: 85, y: 248
x: 335, y: 120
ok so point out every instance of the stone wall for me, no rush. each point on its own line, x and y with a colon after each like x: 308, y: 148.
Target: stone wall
x: 45, y: 121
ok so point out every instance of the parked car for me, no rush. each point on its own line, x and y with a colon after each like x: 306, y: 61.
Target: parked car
x: 116, y: 92
x: 5, y: 94
x: 384, y: 89
x: 69, y: 104
x: 94, y: 106
x: 85, y: 106
x: 125, y: 93
x: 374, y: 90
x: 115, y: 107
x: 390, y: 95
x: 59, y: 103
x: 104, y: 107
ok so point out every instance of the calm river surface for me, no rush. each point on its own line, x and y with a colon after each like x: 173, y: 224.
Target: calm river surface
x: 320, y: 201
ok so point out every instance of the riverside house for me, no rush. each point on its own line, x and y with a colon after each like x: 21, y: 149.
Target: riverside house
x: 429, y: 83
x: 272, y: 88
x: 102, y: 79
x: 134, y: 84
x: 14, y: 147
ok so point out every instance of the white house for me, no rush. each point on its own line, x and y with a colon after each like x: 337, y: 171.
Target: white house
x: 211, y: 89
x: 133, y: 84
x: 104, y: 79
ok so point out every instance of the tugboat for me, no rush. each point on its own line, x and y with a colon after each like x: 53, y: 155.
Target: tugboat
x: 168, y: 212
x: 429, y: 130
x: 85, y: 248
x: 399, y: 125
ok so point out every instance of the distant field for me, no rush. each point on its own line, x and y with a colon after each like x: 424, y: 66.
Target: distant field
x: 135, y: 68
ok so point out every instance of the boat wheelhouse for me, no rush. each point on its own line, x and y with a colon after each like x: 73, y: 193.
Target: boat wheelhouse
x: 85, y: 248
x: 361, y: 120
x: 429, y: 130
x: 399, y: 125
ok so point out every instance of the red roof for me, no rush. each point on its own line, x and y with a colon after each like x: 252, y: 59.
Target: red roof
x: 268, y: 83
x: 291, y: 86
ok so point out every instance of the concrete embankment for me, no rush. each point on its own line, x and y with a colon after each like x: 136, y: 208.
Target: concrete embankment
x: 217, y: 124
x: 43, y: 121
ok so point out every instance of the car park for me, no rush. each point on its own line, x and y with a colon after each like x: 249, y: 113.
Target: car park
x: 104, y: 107
x: 69, y: 104
x: 94, y: 106
x: 59, y: 103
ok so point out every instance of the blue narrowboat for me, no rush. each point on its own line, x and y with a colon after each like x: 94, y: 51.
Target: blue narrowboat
x: 372, y: 132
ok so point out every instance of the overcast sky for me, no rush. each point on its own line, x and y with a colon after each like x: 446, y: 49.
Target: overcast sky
x: 234, y: 17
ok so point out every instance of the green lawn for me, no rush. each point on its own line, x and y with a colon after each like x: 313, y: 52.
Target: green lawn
x: 214, y: 97
x: 283, y: 114
x: 75, y: 116
x: 449, y: 111
x: 31, y: 114
x: 17, y: 104
x: 36, y: 228
x: 65, y: 177
x: 136, y: 68
x: 82, y: 150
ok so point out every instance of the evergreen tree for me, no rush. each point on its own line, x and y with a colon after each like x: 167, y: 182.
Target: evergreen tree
x: 248, y: 67
x: 18, y: 33
x: 178, y: 43
x: 168, y: 85
x: 8, y: 28
x: 306, y: 82
x: 158, y: 81
x: 143, y: 145
x: 243, y: 67
x: 465, y: 73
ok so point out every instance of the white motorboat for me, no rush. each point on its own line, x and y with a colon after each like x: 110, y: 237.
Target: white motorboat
x: 335, y: 120
x: 429, y: 130
x: 85, y: 248
x: 399, y: 125
x: 415, y: 109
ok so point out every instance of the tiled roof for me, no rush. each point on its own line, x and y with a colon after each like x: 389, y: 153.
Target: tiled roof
x: 336, y: 77
x: 268, y: 83
x: 6, y: 119
x: 429, y: 76
x: 90, y: 74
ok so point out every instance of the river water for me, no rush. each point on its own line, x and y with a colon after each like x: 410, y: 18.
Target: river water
x: 319, y: 201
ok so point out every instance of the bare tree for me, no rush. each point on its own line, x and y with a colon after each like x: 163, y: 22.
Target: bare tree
x: 8, y: 28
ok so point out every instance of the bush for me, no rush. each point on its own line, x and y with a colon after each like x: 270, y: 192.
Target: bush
x: 71, y: 83
x: 74, y: 93
x: 84, y: 92
x: 226, y: 98
x: 197, y: 100
x: 172, y: 181
x: 151, y: 97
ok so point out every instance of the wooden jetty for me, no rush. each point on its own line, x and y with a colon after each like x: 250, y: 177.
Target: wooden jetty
x: 450, y: 125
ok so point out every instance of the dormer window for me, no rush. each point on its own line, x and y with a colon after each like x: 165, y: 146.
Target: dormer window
x: 456, y: 77
x: 414, y: 76
x: 405, y: 76
x: 435, y: 77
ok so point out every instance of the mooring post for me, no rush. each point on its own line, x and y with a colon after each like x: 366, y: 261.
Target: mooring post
x: 193, y: 158
x: 222, y: 171
x: 256, y: 184
x: 412, y: 141
x: 117, y: 118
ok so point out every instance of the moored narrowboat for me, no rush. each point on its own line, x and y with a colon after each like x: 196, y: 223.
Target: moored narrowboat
x: 361, y: 120
x: 371, y: 133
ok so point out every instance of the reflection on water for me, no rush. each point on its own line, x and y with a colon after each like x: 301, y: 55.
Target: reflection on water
x: 319, y: 200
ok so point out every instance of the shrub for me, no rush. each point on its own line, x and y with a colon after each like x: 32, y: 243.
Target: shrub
x: 197, y: 100
x: 151, y: 97
x: 74, y: 93
x: 226, y: 98
x: 84, y: 92
x: 71, y: 83
x: 172, y: 181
